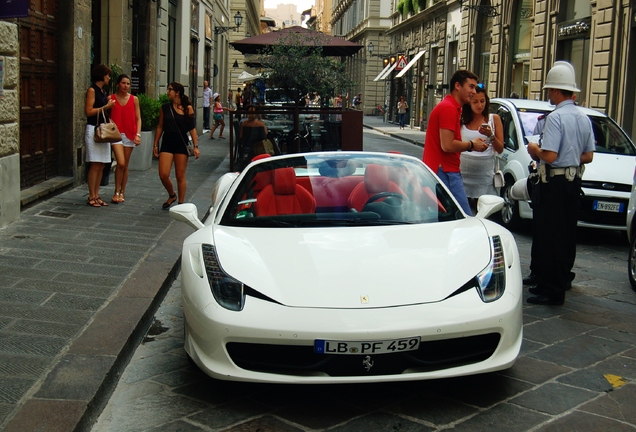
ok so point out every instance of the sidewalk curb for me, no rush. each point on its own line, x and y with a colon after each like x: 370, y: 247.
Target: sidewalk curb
x: 73, y: 394
x: 395, y: 135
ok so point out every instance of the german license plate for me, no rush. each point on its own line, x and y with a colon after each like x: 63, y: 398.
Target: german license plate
x: 608, y: 206
x: 366, y: 347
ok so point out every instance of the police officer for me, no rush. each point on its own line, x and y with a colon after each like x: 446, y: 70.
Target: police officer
x: 567, y: 142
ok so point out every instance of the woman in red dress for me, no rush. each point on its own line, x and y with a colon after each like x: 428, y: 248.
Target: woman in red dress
x: 126, y: 115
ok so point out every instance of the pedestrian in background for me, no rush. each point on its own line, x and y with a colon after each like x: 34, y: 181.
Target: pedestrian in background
x: 238, y: 98
x: 478, y: 169
x: 567, y: 142
x: 218, y: 116
x: 402, y: 107
x: 97, y: 154
x: 230, y: 99
x: 357, y: 101
x: 176, y: 118
x: 207, y: 101
x: 443, y: 136
x: 126, y: 115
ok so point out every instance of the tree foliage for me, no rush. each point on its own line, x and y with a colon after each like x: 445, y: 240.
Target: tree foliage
x: 297, y: 66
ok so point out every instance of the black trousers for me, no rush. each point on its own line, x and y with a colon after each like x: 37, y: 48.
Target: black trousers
x: 555, y: 207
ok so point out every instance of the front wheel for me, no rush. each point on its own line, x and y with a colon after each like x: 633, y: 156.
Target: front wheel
x: 510, y: 212
x: 631, y: 263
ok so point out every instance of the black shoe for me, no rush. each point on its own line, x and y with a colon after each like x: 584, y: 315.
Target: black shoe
x: 531, y: 279
x: 535, y: 290
x: 543, y: 300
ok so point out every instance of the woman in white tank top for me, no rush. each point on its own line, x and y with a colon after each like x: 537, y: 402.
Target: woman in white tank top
x: 478, y: 169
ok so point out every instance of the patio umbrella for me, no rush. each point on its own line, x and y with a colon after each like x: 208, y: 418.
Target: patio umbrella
x: 331, y: 45
x: 246, y: 77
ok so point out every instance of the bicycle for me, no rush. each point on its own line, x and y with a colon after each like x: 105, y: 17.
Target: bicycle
x: 379, y: 110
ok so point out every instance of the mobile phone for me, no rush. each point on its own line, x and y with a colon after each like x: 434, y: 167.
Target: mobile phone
x: 485, y: 125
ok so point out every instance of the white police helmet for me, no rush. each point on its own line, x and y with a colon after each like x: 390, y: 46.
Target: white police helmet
x: 561, y: 76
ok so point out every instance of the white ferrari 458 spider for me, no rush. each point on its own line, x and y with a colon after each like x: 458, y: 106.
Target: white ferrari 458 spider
x: 347, y: 267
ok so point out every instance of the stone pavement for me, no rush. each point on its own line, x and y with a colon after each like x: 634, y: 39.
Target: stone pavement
x: 78, y: 289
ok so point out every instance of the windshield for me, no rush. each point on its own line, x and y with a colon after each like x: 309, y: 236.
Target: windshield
x: 608, y: 136
x: 339, y: 189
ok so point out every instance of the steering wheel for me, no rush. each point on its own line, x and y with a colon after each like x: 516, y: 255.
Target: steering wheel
x: 386, y: 195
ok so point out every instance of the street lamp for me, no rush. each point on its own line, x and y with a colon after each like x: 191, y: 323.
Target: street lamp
x: 371, y: 48
x: 238, y: 19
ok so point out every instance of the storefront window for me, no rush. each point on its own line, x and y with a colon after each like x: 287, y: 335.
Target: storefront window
x: 523, y: 42
x: 573, y: 40
x: 482, y: 44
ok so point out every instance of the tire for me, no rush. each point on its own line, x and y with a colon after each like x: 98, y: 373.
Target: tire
x: 631, y: 263
x: 510, y: 212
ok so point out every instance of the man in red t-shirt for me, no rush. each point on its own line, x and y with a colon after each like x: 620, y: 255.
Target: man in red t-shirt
x: 443, y: 136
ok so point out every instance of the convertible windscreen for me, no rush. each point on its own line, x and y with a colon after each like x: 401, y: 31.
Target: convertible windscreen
x: 325, y: 190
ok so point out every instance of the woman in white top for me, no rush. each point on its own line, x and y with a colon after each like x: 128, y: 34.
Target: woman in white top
x: 478, y: 169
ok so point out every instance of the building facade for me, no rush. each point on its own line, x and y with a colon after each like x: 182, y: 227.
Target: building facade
x: 509, y: 44
x: 364, y: 22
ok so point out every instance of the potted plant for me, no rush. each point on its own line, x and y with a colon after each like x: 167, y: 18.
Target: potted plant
x: 141, y: 158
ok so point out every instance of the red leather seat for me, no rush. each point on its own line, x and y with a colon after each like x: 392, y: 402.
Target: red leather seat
x: 376, y: 180
x: 283, y: 196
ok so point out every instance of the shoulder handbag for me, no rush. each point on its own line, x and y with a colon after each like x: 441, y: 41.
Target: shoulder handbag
x: 106, y: 132
x: 189, y: 145
x: 498, y: 180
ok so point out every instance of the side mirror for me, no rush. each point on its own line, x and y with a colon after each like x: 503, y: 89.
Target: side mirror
x: 187, y: 213
x: 488, y: 205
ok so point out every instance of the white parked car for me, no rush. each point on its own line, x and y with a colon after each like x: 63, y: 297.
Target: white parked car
x: 347, y: 267
x: 631, y: 235
x: 607, y: 181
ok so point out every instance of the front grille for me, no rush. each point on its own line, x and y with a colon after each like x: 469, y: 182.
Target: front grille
x: 607, y: 186
x: 301, y: 360
x: 589, y: 215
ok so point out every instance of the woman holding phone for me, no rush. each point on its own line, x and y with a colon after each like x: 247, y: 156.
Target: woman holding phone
x: 478, y: 168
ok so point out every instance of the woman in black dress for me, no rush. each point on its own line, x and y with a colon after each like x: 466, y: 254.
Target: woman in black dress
x: 175, y: 119
x: 97, y: 154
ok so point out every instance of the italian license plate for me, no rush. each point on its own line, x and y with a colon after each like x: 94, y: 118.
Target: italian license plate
x: 366, y: 347
x: 608, y: 206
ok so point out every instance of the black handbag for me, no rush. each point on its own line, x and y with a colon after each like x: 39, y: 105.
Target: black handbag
x: 189, y: 145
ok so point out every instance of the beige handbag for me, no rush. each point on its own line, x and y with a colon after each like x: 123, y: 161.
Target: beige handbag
x: 106, y: 132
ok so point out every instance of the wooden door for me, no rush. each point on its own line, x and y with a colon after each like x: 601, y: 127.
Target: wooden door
x: 38, y: 94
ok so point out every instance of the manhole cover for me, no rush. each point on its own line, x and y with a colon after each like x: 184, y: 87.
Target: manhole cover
x: 54, y: 214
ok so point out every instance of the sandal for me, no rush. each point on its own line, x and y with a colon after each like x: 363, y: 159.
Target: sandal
x: 101, y: 202
x: 121, y: 196
x: 171, y: 200
x: 221, y: 137
x: 116, y: 199
x: 93, y: 202
x: 211, y: 137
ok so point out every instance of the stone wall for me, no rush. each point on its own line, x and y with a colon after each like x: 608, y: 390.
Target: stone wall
x: 9, y: 126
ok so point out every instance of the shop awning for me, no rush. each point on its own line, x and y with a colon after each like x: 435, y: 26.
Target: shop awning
x: 383, y: 70
x: 410, y: 64
x: 388, y: 72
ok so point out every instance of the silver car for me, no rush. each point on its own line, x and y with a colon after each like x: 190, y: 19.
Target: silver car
x: 607, y: 181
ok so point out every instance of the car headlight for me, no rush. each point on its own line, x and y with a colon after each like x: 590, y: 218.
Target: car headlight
x: 492, y: 280
x: 227, y: 291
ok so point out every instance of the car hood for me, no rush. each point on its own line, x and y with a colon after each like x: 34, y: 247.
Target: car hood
x: 609, y: 168
x: 357, y: 267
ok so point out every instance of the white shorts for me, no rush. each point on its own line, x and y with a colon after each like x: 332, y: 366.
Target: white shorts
x: 125, y: 141
x: 95, y: 152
